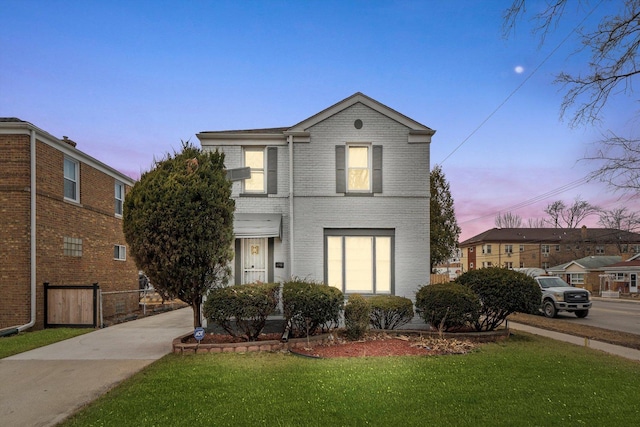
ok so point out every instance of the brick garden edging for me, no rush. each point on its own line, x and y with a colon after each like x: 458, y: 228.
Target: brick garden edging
x: 180, y: 347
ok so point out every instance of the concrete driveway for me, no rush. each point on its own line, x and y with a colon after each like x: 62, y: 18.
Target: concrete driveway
x: 44, y: 386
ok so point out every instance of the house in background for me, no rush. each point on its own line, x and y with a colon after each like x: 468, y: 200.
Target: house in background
x: 623, y: 276
x: 61, y: 223
x: 544, y: 247
x: 341, y: 197
x: 585, y: 272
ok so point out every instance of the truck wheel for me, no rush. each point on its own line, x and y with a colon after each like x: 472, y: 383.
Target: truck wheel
x: 582, y: 313
x: 549, y: 309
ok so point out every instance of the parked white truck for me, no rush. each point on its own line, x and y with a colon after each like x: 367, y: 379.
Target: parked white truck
x: 558, y: 295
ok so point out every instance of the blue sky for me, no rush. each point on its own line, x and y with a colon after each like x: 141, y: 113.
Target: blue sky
x: 128, y: 80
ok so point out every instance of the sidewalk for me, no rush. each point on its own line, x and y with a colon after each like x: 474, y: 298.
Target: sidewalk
x: 627, y: 353
x: 44, y: 386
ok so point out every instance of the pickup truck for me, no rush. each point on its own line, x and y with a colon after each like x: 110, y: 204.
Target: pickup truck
x: 558, y: 295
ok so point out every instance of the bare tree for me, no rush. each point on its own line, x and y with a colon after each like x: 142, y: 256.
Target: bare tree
x: 614, y: 45
x: 563, y: 216
x: 508, y: 220
x: 620, y: 219
x: 536, y: 223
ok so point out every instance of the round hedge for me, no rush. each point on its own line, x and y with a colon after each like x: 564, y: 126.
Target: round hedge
x: 447, y: 306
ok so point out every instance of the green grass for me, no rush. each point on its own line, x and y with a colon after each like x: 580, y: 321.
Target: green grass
x: 25, y: 341
x: 527, y: 381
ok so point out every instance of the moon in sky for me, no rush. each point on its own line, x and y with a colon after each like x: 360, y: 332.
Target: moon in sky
x: 519, y: 69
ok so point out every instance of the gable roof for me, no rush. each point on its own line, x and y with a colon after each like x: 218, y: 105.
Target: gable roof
x: 595, y: 262
x: 634, y: 262
x: 417, y: 131
x: 553, y: 235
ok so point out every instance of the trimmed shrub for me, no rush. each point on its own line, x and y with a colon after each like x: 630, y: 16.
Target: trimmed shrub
x: 242, y: 310
x: 310, y: 307
x: 390, y: 311
x: 501, y: 292
x: 447, y: 306
x: 356, y: 317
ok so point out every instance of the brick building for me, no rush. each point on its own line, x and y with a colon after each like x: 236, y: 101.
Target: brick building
x: 544, y: 247
x: 61, y: 222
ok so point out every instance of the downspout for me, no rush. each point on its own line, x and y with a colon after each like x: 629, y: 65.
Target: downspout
x: 32, y: 238
x: 291, y: 257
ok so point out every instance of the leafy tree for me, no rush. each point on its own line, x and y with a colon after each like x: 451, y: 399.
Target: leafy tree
x: 178, y: 222
x: 614, y: 45
x: 508, y: 220
x: 444, y: 227
x: 501, y: 292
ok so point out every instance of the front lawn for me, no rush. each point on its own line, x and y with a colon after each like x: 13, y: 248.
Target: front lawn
x: 526, y: 381
x: 25, y: 341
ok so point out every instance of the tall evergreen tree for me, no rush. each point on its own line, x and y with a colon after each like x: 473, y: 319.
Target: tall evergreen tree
x: 178, y: 222
x: 444, y: 226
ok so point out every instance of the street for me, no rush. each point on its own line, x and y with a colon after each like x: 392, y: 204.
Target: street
x: 617, y: 315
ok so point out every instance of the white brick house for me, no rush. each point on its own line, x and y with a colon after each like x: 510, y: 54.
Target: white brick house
x: 342, y: 197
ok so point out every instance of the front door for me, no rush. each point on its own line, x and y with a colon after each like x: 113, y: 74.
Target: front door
x: 254, y: 260
x: 633, y: 282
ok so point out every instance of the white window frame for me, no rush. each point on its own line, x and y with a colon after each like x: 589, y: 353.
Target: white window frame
x: 349, y: 168
x: 119, y: 198
x: 74, y: 180
x: 486, y: 249
x: 544, y: 249
x: 599, y: 249
x: 255, y: 170
x: 119, y: 252
x: 576, y: 278
x: 508, y: 249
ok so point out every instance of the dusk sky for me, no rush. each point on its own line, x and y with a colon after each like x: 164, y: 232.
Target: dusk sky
x: 128, y: 80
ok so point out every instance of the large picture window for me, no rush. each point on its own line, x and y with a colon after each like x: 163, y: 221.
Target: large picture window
x: 360, y: 260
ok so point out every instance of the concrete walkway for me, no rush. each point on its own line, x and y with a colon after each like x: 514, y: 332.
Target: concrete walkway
x: 44, y: 386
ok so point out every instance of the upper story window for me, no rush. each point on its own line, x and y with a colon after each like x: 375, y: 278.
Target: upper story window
x: 599, y: 249
x: 359, y: 168
x: 264, y: 170
x: 508, y: 249
x: 119, y: 252
x: 521, y: 248
x: 545, y: 250
x: 486, y: 249
x: 119, y: 197
x: 71, y: 179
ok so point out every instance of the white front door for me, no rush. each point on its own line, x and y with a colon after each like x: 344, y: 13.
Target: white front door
x: 254, y: 260
x: 633, y: 282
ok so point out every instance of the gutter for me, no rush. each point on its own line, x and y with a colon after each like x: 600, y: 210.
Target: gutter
x: 290, y: 140
x: 32, y: 234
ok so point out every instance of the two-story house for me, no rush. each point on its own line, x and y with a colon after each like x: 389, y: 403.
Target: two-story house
x: 543, y: 247
x: 61, y: 216
x: 341, y: 197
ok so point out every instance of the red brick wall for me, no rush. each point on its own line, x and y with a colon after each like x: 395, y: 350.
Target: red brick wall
x: 92, y: 219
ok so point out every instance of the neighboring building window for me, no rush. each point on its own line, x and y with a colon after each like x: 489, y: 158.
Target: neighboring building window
x: 486, y: 264
x: 508, y: 265
x: 119, y: 195
x: 545, y: 265
x: 71, y: 174
x: 360, y: 261
x: 470, y: 265
x: 568, y: 247
x: 508, y: 249
x: 521, y: 248
x: 486, y: 249
x: 625, y: 249
x: 576, y: 278
x: 557, y: 248
x: 358, y: 168
x: 254, y: 158
x: 119, y: 252
x: 545, y: 250
x: 635, y: 249
x: 470, y: 249
x: 72, y: 246
x: 521, y: 264
x: 600, y: 250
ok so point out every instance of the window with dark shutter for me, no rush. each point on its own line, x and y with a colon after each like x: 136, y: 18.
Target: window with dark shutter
x: 272, y: 170
x: 377, y: 169
x: 341, y: 185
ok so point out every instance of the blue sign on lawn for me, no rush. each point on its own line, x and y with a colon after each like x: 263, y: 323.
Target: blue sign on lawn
x: 199, y: 334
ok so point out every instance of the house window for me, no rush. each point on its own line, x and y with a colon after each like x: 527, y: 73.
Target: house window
x: 471, y: 265
x: 119, y: 196
x: 119, y: 252
x: 508, y: 265
x: 487, y: 264
x: 576, y: 278
x: 521, y: 248
x: 470, y: 249
x: 72, y: 246
x: 635, y: 249
x: 521, y: 264
x: 71, y: 173
x: 254, y: 158
x: 557, y: 248
x: 599, y: 249
x: 360, y: 261
x: 545, y: 265
x: 508, y: 249
x: 486, y: 249
x: 545, y: 250
x: 358, y: 168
